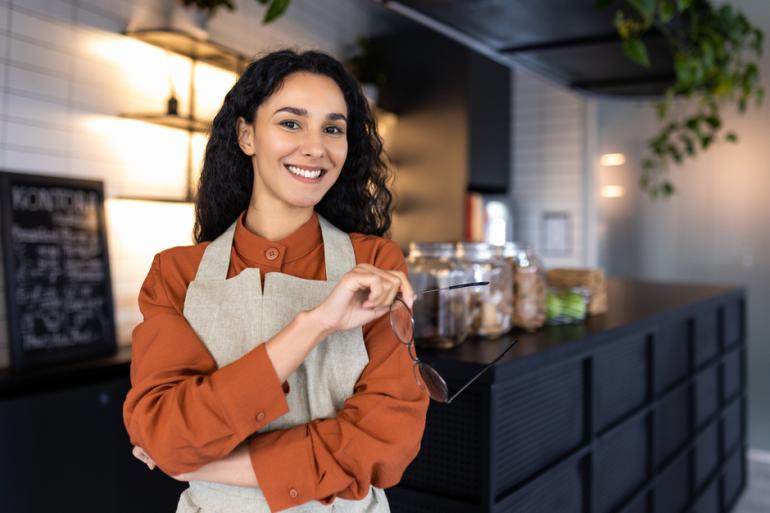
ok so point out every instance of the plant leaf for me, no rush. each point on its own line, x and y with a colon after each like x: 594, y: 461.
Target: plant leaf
x: 275, y: 10
x: 681, y: 5
x: 714, y: 121
x: 731, y: 137
x: 645, y: 7
x: 689, y: 144
x: 666, y: 10
x: 637, y: 51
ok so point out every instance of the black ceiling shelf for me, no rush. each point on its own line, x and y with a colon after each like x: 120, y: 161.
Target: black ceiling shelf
x: 569, y: 41
x: 155, y: 199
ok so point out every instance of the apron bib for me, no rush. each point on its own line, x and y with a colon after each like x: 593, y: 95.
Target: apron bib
x: 233, y: 316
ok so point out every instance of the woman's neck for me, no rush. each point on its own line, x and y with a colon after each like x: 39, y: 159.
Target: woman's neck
x: 275, y: 225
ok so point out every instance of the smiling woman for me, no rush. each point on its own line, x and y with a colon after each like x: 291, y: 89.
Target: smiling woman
x: 308, y: 142
x: 284, y: 386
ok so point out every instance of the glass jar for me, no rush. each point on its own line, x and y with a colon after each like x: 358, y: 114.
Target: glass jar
x: 529, y: 286
x: 491, y: 306
x: 439, y: 317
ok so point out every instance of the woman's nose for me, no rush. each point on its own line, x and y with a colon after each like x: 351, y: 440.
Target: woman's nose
x: 312, y: 145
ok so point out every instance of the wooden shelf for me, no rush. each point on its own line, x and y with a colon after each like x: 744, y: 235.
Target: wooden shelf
x: 201, y: 50
x: 159, y: 199
x: 173, y: 121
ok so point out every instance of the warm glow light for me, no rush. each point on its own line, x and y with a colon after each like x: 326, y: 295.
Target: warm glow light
x: 386, y: 123
x: 612, y: 159
x: 613, y: 191
x: 147, y: 71
x: 211, y: 86
x: 198, y: 152
x: 137, y: 230
x: 152, y: 159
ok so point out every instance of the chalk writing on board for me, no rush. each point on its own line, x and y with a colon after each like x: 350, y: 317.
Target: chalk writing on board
x: 61, y: 280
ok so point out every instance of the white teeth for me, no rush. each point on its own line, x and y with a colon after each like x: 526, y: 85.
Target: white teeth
x: 303, y: 172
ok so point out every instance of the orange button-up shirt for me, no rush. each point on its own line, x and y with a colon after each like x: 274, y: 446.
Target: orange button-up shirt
x: 186, y: 412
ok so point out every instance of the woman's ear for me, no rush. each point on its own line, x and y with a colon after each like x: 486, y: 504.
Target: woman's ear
x: 245, y: 133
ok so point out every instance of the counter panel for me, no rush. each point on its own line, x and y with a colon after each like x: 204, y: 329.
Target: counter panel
x: 673, y: 343
x: 621, y: 464
x: 541, y: 418
x: 621, y: 374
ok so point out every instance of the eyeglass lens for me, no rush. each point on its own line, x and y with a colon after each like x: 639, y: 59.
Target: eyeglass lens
x: 403, y: 326
x: 402, y: 322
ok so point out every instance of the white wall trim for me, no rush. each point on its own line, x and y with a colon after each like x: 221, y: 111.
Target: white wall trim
x: 590, y: 213
x: 759, y: 456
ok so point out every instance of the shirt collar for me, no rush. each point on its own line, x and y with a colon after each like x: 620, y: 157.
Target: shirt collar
x: 260, y: 251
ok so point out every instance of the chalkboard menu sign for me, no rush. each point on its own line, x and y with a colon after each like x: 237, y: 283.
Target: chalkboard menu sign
x: 57, y: 277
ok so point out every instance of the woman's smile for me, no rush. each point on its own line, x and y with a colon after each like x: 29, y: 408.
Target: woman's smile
x: 306, y: 174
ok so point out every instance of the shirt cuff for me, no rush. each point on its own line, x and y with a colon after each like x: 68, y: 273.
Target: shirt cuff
x: 281, y: 462
x: 251, y: 393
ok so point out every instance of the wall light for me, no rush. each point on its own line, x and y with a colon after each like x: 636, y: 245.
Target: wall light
x: 613, y: 191
x: 612, y: 159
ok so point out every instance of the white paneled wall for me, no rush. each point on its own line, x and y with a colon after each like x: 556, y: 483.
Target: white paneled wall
x: 549, y: 125
x: 67, y: 73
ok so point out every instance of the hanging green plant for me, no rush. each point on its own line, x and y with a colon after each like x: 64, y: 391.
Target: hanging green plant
x: 715, y: 51
x: 275, y: 8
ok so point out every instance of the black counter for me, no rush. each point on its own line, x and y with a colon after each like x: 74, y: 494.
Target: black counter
x: 642, y: 409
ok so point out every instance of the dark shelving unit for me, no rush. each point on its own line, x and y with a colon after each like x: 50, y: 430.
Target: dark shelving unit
x: 642, y: 409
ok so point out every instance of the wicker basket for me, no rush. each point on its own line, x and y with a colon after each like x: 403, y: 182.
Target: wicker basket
x: 593, y: 279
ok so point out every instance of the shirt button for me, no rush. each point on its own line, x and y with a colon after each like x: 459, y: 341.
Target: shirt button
x: 293, y: 493
x: 272, y: 254
x: 260, y: 415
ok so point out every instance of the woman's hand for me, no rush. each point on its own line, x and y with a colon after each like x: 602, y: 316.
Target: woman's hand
x: 142, y: 456
x: 362, y: 295
x: 145, y: 458
x: 234, y: 469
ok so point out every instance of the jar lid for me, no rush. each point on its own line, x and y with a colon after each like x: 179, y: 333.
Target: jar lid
x: 476, y: 250
x: 512, y: 249
x: 432, y: 249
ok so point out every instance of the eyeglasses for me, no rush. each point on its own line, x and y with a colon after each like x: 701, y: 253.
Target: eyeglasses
x: 402, y: 322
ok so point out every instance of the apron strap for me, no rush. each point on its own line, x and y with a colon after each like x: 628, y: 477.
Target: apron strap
x: 338, y: 250
x: 216, y: 257
x: 338, y: 253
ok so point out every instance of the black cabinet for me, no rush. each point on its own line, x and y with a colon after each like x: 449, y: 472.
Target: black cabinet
x: 489, y: 125
x: 427, y: 72
x: 67, y: 451
x: 642, y: 409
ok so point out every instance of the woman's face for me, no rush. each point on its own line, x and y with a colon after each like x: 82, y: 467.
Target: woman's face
x: 298, y: 141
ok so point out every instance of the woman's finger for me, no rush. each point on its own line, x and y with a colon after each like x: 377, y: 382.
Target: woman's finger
x: 390, y: 285
x: 400, y: 283
x: 407, y: 291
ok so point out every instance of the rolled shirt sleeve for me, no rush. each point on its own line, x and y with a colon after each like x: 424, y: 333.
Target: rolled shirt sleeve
x: 182, y: 409
x: 371, y: 441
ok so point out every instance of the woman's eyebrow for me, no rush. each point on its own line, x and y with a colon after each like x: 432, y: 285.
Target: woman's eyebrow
x: 303, y: 112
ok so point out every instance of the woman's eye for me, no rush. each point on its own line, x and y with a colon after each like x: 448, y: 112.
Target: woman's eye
x: 290, y: 124
x: 334, y: 130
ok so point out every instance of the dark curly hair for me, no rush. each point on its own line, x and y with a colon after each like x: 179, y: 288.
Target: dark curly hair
x: 359, y: 201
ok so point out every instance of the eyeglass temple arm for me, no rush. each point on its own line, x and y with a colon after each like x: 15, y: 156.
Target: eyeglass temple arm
x: 482, y: 371
x: 460, y: 286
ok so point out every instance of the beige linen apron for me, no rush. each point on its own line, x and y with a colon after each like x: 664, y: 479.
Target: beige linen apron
x: 233, y: 316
